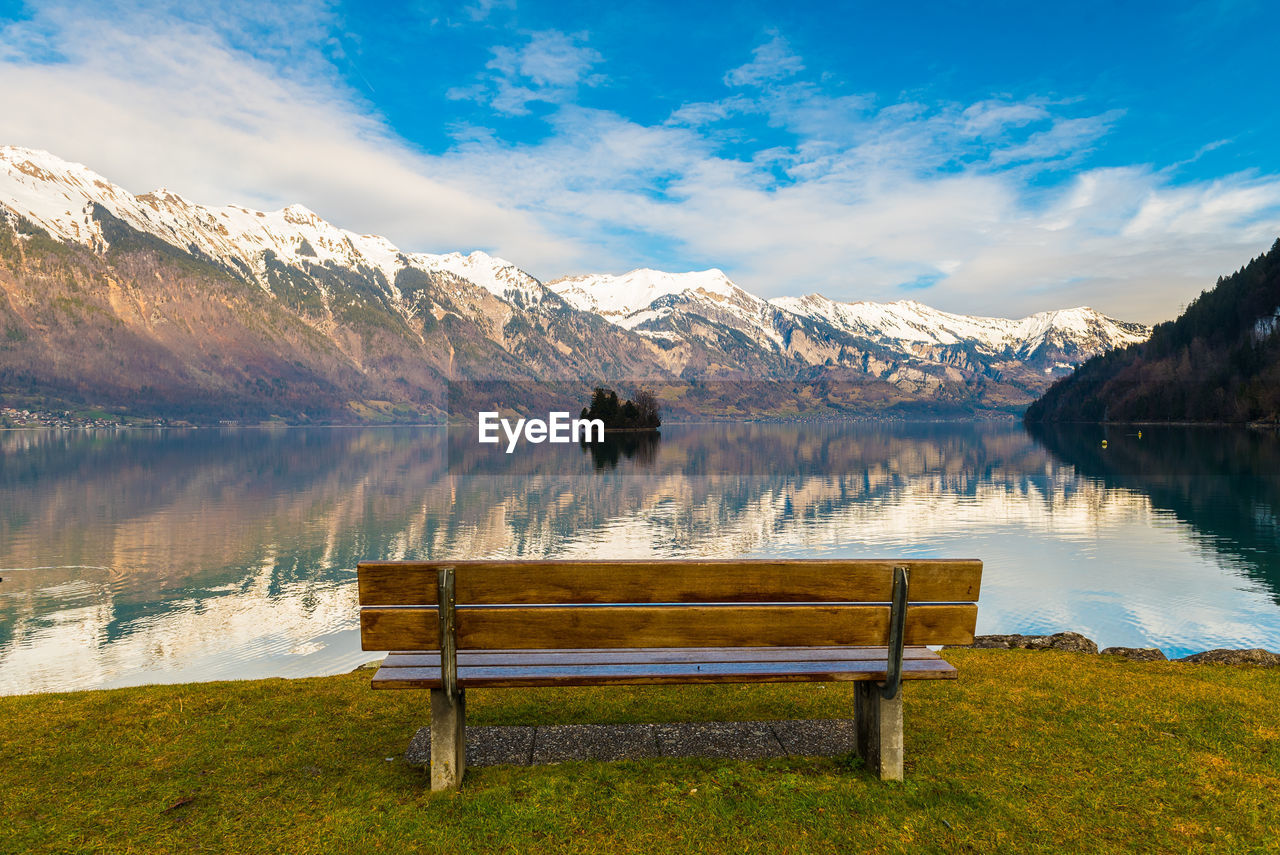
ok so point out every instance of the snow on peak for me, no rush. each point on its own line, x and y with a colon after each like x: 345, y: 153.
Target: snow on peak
x: 164, y: 194
x: 55, y: 194
x: 44, y: 166
x: 615, y: 297
x: 299, y: 215
x: 915, y: 323
x: 497, y: 276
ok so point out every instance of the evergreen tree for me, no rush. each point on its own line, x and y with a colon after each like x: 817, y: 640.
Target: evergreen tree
x: 640, y: 414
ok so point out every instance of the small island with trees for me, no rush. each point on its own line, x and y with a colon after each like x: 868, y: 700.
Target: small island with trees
x: 638, y: 414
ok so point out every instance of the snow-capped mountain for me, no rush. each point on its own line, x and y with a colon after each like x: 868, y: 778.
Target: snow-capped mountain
x: 61, y: 198
x: 646, y: 300
x: 1073, y: 334
x: 618, y: 298
x: 679, y: 306
x: 284, y: 311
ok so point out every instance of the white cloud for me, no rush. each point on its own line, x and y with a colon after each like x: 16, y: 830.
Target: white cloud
x: 995, y: 116
x: 848, y: 196
x: 1066, y: 140
x: 1206, y: 208
x: 482, y: 9
x: 549, y: 68
x: 703, y: 113
x: 771, y: 61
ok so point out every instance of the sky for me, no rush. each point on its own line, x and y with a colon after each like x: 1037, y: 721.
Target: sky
x: 990, y: 158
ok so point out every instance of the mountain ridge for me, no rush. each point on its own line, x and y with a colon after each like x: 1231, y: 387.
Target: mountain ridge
x: 442, y: 319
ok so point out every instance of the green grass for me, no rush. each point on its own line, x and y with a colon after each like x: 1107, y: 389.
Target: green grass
x: 1026, y: 752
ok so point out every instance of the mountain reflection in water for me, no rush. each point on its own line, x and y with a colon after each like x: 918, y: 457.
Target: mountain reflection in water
x: 150, y: 556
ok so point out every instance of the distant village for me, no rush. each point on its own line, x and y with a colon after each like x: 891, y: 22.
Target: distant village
x: 11, y: 417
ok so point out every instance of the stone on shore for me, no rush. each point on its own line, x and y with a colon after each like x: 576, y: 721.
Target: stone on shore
x: 1220, y: 656
x: 1137, y: 654
x: 1072, y: 642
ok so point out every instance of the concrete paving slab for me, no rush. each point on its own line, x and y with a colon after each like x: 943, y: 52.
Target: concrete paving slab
x: 740, y: 740
x: 744, y: 740
x: 486, y: 746
x: 817, y: 737
x: 564, y: 742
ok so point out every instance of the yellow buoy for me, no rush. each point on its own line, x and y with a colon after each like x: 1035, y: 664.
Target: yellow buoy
x: 1104, y: 443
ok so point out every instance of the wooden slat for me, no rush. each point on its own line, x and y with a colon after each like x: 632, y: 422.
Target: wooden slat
x: 559, y: 627
x: 651, y: 674
x: 640, y: 655
x: 596, y: 582
x: 388, y: 629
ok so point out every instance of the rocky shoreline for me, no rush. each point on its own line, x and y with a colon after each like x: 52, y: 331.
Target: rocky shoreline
x: 1074, y: 642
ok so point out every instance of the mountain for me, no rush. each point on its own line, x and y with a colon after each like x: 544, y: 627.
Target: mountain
x: 156, y: 305
x: 1217, y: 362
x: 707, y: 325
x: 705, y: 316
x: 64, y: 199
x: 161, y: 306
x: 621, y: 297
x: 1050, y: 341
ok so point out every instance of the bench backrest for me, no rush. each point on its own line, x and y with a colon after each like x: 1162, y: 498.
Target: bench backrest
x: 504, y: 605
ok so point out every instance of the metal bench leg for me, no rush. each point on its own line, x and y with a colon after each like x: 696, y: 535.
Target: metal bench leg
x: 449, y: 702
x: 448, y: 739
x: 879, y: 725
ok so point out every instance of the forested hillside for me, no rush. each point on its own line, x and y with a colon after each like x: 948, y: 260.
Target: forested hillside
x: 1218, y: 362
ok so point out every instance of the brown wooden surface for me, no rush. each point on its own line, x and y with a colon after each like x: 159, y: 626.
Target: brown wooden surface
x: 672, y: 581
x: 653, y: 655
x: 561, y: 627
x: 395, y: 629
x: 505, y: 676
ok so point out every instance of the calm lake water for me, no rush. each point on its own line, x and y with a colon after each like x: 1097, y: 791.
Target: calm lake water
x: 162, y: 556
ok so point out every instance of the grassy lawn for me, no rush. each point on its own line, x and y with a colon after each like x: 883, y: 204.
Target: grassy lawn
x: 1026, y: 752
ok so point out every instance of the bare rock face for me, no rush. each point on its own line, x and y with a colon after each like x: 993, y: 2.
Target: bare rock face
x: 1137, y: 654
x: 1072, y: 642
x: 1256, y: 656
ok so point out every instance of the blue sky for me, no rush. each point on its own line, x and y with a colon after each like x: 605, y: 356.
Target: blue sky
x: 992, y: 158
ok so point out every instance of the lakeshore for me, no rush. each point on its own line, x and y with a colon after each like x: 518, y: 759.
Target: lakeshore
x: 1029, y: 751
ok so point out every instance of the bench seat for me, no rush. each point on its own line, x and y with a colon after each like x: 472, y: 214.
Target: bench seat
x: 657, y: 666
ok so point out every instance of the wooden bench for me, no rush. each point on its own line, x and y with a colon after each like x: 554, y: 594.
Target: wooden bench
x: 464, y: 624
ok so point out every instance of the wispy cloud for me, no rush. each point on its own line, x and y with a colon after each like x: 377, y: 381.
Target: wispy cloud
x: 482, y: 9
x: 1065, y: 140
x: 548, y: 68
x: 771, y: 61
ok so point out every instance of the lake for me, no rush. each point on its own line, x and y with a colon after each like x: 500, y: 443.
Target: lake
x: 144, y: 556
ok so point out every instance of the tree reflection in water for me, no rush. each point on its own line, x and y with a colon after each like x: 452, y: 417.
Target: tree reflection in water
x: 639, y: 446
